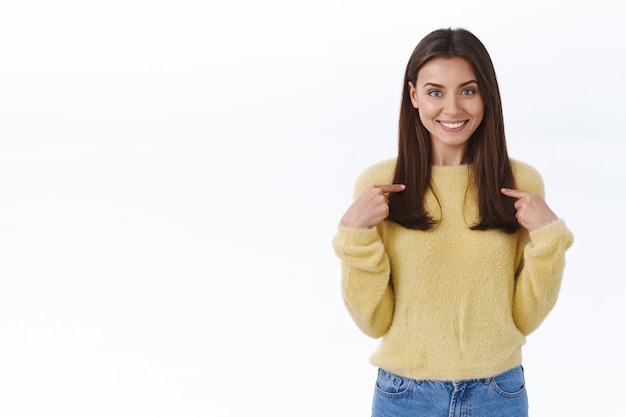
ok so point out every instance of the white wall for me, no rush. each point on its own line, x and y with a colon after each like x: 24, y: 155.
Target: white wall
x: 171, y: 174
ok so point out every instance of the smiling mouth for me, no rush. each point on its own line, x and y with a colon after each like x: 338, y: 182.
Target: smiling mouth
x: 454, y: 125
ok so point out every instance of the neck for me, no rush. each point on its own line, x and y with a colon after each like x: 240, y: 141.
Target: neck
x: 449, y: 160
x: 448, y: 156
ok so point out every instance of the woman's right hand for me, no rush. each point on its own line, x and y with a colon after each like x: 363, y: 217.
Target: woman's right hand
x: 371, y: 206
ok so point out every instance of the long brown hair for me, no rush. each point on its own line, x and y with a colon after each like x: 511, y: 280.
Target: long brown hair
x: 490, y: 168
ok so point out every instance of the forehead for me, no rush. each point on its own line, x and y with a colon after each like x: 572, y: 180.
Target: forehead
x: 444, y: 71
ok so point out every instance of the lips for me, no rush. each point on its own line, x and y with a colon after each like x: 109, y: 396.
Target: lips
x: 452, y: 125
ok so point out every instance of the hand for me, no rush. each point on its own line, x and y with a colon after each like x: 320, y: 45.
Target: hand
x: 371, y: 206
x: 532, y: 210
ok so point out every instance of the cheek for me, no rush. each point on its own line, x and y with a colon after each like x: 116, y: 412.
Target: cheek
x: 427, y: 120
x: 424, y: 118
x: 478, y: 111
x: 427, y: 111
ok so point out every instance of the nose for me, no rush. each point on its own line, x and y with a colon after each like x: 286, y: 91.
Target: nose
x: 451, y: 105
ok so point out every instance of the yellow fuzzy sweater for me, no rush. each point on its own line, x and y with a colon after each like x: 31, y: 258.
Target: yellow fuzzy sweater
x: 450, y: 303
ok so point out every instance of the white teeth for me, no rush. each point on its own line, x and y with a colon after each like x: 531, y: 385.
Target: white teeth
x: 452, y: 125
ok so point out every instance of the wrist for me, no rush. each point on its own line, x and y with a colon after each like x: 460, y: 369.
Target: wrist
x: 354, y: 222
x: 356, y: 226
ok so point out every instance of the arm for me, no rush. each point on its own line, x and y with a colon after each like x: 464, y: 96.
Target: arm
x: 365, y: 281
x: 543, y: 242
x: 366, y: 285
x: 540, y: 274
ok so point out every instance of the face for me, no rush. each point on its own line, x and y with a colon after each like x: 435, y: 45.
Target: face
x: 450, y: 106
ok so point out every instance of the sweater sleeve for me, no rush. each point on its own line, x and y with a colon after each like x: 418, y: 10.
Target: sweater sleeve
x: 541, y: 262
x: 365, y: 281
x: 365, y: 269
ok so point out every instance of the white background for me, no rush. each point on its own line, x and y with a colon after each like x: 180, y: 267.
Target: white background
x: 172, y: 172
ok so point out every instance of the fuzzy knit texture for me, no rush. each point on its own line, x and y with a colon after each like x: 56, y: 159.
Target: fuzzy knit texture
x: 450, y: 303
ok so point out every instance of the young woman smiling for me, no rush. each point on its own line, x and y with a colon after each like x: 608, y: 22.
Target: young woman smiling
x: 450, y: 254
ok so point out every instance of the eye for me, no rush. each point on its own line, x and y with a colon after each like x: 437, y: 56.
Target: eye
x: 435, y: 93
x: 468, y: 92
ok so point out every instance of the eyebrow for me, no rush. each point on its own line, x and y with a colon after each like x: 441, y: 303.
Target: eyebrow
x: 441, y: 86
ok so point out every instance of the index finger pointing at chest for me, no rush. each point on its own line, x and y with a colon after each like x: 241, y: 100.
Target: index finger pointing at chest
x: 510, y: 192
x: 391, y: 188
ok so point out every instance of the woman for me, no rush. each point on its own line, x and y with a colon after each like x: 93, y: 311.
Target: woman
x: 449, y: 252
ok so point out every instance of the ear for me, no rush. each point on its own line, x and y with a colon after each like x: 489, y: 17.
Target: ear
x: 413, y: 95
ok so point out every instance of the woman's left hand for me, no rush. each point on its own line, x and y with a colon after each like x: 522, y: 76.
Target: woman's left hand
x: 532, y: 210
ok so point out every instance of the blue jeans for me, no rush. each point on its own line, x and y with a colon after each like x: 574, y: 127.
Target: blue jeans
x: 503, y: 395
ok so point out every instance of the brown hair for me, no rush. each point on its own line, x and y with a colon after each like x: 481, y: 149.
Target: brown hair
x: 486, y: 151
